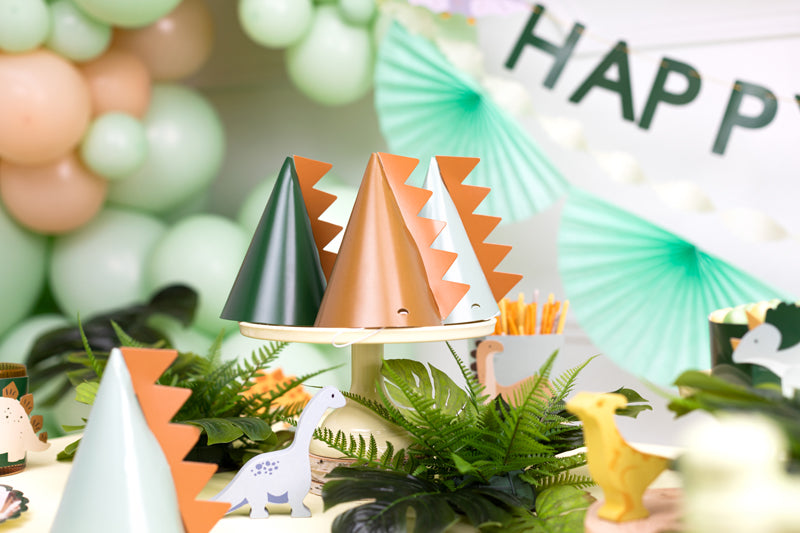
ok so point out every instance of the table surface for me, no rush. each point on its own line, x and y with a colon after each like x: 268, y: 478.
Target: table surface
x: 44, y: 478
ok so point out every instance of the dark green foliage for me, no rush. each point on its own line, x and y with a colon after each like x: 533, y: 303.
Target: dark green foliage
x: 786, y: 317
x: 728, y: 388
x: 49, y: 359
x: 481, y: 461
x: 234, y: 427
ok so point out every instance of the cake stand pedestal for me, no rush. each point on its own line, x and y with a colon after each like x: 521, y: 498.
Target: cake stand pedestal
x: 367, y: 359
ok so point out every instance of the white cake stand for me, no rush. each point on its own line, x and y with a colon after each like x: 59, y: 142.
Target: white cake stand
x: 367, y: 358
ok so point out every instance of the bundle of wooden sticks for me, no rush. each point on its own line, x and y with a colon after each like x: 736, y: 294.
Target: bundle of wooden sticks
x: 519, y: 318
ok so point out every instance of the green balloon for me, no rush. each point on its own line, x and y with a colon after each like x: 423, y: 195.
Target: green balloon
x: 17, y: 343
x: 333, y: 63
x: 22, y: 271
x: 127, y: 13
x: 203, y: 252
x: 186, y: 144
x: 115, y: 145
x: 182, y: 338
x: 253, y: 206
x: 74, y: 34
x: 24, y: 24
x: 275, y: 23
x: 101, y: 266
x: 359, y: 12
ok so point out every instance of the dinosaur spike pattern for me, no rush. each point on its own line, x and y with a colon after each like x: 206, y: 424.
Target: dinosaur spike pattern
x: 467, y: 198
x: 309, y: 172
x: 411, y: 200
x: 159, y: 404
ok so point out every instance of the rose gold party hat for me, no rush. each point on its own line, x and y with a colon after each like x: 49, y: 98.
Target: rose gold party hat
x: 379, y: 279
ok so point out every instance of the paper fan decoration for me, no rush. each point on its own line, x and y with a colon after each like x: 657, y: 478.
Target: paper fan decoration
x: 642, y: 294
x: 427, y: 107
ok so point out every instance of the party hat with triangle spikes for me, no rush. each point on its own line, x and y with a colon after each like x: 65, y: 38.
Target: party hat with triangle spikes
x: 379, y: 279
x: 281, y: 280
x: 123, y: 435
x: 478, y: 303
x: 424, y: 229
x: 309, y: 172
x: 478, y: 227
x: 425, y: 106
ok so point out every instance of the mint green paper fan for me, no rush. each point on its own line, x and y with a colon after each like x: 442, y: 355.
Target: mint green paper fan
x: 427, y: 107
x: 642, y: 294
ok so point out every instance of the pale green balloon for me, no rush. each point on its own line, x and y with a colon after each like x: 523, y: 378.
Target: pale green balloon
x: 101, y: 266
x: 333, y: 63
x: 205, y: 253
x: 24, y: 24
x: 182, y: 338
x: 275, y: 23
x: 74, y: 34
x: 296, y: 359
x: 115, y: 145
x: 22, y: 270
x: 127, y: 13
x: 359, y: 12
x: 253, y: 206
x: 186, y: 144
x: 17, y: 343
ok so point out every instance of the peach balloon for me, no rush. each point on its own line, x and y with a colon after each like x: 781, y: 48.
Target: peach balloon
x: 44, y: 107
x: 53, y: 198
x: 118, y: 81
x: 174, y: 46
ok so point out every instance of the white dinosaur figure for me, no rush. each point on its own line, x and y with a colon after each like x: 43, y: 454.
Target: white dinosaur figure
x: 760, y: 346
x: 282, y: 476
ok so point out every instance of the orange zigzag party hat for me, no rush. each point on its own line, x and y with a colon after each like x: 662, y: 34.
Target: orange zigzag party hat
x: 309, y: 172
x: 159, y: 404
x: 467, y: 198
x: 411, y: 200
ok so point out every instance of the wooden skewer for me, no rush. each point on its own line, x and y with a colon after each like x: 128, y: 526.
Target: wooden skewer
x: 562, y: 318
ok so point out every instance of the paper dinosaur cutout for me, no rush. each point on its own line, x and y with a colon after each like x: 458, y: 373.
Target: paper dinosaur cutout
x: 761, y: 346
x: 17, y: 431
x: 484, y: 358
x: 623, y: 472
x: 309, y: 172
x: 467, y: 198
x: 411, y: 201
x: 281, y: 476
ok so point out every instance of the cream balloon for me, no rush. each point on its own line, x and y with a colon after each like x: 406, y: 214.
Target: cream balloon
x: 52, y: 198
x: 174, y: 46
x: 118, y: 81
x: 44, y: 105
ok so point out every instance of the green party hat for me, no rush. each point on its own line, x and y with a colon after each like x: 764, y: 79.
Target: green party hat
x: 281, y: 280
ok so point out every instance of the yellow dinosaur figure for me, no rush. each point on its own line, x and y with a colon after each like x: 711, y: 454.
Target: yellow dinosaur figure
x: 621, y: 471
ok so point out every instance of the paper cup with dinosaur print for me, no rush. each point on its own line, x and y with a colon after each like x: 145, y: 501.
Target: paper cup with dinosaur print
x: 520, y: 357
x: 13, y: 385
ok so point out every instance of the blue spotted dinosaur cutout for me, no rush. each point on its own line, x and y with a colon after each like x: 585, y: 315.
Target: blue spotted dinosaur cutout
x: 282, y: 476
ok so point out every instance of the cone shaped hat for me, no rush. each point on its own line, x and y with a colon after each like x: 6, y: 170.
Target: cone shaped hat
x: 478, y: 303
x: 281, y: 280
x: 379, y: 279
x: 99, y: 496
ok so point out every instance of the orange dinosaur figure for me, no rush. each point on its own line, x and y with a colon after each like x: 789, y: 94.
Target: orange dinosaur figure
x: 621, y: 471
x: 484, y: 356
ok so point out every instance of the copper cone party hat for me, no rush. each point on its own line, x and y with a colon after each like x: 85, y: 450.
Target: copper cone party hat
x: 379, y: 279
x: 478, y: 303
x: 467, y: 198
x: 281, y: 280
